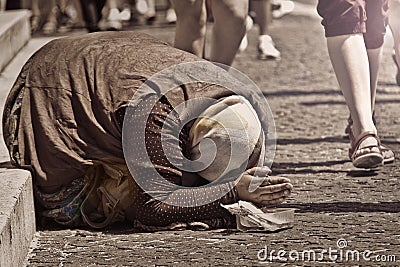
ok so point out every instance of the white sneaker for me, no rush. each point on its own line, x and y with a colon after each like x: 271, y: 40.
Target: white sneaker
x: 266, y: 48
x: 150, y: 15
x: 112, y: 22
x: 113, y: 14
x: 170, y: 15
x: 141, y: 6
x: 285, y: 7
x: 125, y: 14
x: 245, y: 42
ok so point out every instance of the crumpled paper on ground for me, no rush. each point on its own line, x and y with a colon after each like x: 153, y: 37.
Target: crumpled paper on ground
x: 251, y: 218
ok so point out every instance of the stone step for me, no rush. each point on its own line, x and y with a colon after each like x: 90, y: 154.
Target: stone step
x: 17, y: 216
x: 14, y: 34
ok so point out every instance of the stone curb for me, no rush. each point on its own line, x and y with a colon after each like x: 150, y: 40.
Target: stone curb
x: 17, y: 213
x: 14, y: 34
x: 17, y: 216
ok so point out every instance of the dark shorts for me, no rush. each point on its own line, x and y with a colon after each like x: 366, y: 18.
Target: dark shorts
x: 341, y: 17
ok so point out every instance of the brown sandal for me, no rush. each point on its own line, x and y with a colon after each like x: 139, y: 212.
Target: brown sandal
x: 387, y: 153
x: 367, y: 160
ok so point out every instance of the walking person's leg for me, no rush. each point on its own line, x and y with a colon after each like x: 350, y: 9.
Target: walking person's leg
x: 112, y: 20
x: 36, y: 16
x: 190, y: 25
x: 91, y: 10
x: 377, y: 14
x: 350, y: 61
x: 51, y: 24
x: 266, y: 47
x: 229, y: 29
x: 349, y: 57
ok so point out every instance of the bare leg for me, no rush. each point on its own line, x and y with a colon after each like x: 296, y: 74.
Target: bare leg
x: 374, y: 58
x: 229, y: 29
x: 62, y: 4
x: 91, y: 10
x: 36, y: 16
x: 79, y: 13
x: 52, y: 19
x: 263, y: 15
x: 266, y: 46
x: 3, y: 5
x: 53, y: 11
x: 190, y: 25
x: 350, y: 61
x: 35, y: 8
x: 151, y: 12
x: 112, y: 4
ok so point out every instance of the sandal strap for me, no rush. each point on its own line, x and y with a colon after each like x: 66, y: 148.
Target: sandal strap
x: 364, y: 136
x: 351, y: 137
x: 361, y: 138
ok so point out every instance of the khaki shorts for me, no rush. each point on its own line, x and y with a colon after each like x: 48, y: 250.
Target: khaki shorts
x: 342, y: 17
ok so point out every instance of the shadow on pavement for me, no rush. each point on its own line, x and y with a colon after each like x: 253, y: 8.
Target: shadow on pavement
x: 362, y: 173
x: 384, y: 83
x: 307, y: 167
x: 390, y: 207
x: 335, y: 102
x: 291, y: 165
x: 301, y: 92
x: 312, y: 168
x: 306, y: 141
x: 7, y: 165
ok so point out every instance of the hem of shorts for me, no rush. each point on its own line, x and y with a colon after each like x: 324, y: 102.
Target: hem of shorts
x: 344, y: 29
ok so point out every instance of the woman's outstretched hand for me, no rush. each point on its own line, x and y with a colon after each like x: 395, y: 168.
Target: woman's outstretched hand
x: 271, y: 190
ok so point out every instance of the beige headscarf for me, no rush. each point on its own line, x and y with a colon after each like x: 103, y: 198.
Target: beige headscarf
x: 227, y: 135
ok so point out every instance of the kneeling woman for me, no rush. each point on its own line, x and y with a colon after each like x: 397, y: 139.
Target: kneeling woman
x: 64, y: 121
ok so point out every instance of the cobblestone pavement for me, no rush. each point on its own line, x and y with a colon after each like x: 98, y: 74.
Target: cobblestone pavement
x: 333, y: 200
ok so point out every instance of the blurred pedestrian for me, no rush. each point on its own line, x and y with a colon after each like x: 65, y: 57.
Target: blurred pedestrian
x: 355, y: 32
x: 147, y: 8
x: 60, y: 15
x: 110, y: 16
x: 36, y: 16
x: 74, y: 146
x: 229, y: 28
x: 91, y: 10
x: 263, y: 18
x: 262, y: 11
x: 170, y: 15
x: 51, y: 23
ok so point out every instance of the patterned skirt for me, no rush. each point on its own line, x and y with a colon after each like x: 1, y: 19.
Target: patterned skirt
x: 63, y: 206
